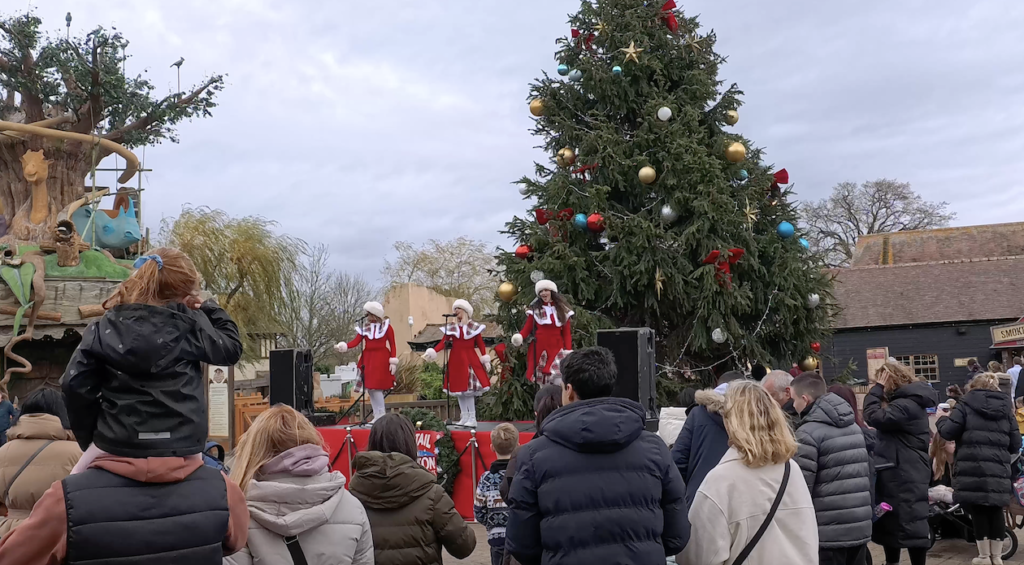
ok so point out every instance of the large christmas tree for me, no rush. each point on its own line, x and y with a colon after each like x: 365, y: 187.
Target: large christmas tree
x: 654, y: 211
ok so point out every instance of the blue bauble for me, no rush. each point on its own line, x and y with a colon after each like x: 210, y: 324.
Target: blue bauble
x: 580, y: 221
x: 576, y: 75
x: 805, y: 243
x: 617, y: 70
x: 563, y: 69
x: 744, y: 174
x: 785, y: 230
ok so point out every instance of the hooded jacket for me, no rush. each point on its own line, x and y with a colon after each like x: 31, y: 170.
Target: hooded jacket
x: 411, y: 516
x: 303, y: 500
x: 985, y: 430
x: 834, y: 460
x: 51, y: 465
x: 903, y: 435
x: 596, y: 488
x: 145, y: 362
x: 702, y: 442
x: 44, y: 538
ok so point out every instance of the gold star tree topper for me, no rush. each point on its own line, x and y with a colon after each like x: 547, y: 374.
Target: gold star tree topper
x: 631, y: 52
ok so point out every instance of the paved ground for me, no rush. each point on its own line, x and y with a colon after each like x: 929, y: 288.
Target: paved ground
x: 946, y: 552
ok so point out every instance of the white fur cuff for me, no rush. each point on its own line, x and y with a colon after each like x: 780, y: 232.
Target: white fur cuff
x: 393, y: 361
x: 341, y: 347
x: 430, y: 355
x: 517, y: 340
x: 485, y: 359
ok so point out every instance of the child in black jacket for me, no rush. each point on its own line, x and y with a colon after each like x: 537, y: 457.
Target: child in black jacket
x: 135, y: 386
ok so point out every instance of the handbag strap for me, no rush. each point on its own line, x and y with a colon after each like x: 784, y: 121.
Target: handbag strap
x: 767, y: 519
x: 23, y: 467
x: 292, y: 543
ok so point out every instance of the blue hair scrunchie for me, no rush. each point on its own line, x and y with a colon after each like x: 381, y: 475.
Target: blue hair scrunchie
x: 146, y: 258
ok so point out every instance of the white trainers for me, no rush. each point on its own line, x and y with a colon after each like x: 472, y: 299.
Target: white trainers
x: 984, y: 557
x: 996, y: 551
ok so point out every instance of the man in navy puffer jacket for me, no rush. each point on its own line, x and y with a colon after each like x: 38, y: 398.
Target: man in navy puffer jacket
x: 595, y: 487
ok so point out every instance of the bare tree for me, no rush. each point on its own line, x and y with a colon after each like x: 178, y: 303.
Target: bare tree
x: 879, y: 206
x: 461, y: 268
x: 321, y: 306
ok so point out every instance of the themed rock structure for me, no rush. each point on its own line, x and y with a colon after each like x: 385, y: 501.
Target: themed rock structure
x: 55, y: 281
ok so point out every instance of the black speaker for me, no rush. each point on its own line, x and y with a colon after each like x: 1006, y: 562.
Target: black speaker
x: 633, y: 349
x: 291, y: 379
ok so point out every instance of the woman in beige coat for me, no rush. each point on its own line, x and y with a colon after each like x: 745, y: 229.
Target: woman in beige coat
x: 42, y: 425
x: 736, y: 496
x: 295, y: 502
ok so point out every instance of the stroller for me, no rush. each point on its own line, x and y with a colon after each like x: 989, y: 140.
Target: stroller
x: 951, y: 521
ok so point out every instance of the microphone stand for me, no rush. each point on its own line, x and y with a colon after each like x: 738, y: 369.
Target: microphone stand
x: 444, y: 370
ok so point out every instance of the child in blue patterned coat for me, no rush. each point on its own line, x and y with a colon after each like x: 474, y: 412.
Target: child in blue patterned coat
x: 488, y: 506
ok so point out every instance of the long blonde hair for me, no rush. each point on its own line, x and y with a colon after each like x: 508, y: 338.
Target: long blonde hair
x: 984, y: 381
x: 275, y: 431
x: 756, y: 426
x: 940, y: 457
x: 899, y: 375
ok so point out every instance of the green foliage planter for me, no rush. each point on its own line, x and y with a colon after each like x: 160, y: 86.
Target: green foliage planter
x: 94, y: 264
x: 447, y: 456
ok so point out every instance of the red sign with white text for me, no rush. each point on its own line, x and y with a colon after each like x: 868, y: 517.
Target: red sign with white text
x: 426, y: 446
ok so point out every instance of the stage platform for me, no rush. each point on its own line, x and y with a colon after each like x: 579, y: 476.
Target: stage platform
x: 475, y: 446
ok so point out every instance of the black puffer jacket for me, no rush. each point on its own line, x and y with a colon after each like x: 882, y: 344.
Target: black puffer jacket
x: 702, y: 442
x: 135, y: 386
x: 596, y: 488
x: 986, y: 434
x: 834, y: 460
x: 903, y: 437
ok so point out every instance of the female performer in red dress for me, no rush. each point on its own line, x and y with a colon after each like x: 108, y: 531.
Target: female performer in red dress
x: 547, y: 321
x: 377, y: 361
x: 468, y: 362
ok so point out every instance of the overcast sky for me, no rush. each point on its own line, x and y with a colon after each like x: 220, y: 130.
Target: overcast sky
x: 357, y: 124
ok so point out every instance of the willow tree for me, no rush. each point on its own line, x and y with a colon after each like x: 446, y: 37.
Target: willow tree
x: 78, y: 85
x: 244, y: 264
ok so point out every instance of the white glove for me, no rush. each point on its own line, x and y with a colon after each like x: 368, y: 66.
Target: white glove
x: 517, y: 340
x: 394, y: 365
x: 486, y: 360
x: 430, y: 355
x: 341, y: 347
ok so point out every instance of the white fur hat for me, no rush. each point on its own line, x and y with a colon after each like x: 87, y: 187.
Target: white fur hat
x: 460, y: 303
x: 545, y: 285
x: 374, y: 308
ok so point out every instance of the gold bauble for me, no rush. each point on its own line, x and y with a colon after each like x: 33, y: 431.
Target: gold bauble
x: 647, y: 175
x: 566, y: 157
x: 731, y: 117
x: 507, y: 291
x: 736, y: 152
x: 537, y: 107
x: 809, y: 364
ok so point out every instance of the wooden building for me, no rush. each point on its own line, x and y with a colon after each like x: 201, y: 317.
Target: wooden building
x: 932, y: 299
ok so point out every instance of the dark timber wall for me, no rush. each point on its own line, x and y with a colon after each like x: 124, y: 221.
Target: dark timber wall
x: 949, y: 342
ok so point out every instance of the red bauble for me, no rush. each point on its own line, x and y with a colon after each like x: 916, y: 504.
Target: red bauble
x: 595, y: 222
x: 523, y: 251
x: 543, y: 216
x: 816, y: 347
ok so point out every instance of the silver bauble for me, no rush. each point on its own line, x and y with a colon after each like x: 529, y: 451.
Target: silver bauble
x: 537, y: 276
x: 668, y: 215
x: 719, y: 335
x: 813, y: 300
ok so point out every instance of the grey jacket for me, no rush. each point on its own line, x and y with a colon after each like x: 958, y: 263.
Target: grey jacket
x: 834, y: 461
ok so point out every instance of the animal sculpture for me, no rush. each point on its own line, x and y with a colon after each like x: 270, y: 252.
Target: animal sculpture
x: 109, y: 229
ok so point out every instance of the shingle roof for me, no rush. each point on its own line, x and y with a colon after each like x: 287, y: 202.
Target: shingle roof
x: 944, y: 244
x: 935, y: 292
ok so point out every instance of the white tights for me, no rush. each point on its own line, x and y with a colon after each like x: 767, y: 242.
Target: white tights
x: 467, y: 405
x: 377, y: 402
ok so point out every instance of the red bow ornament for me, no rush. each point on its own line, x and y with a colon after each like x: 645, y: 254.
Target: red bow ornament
x: 669, y: 17
x: 586, y: 172
x: 781, y: 177
x: 564, y: 215
x: 723, y: 264
x: 588, y: 41
x: 543, y: 216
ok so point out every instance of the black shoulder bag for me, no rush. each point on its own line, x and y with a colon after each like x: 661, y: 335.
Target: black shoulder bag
x: 292, y: 543
x: 767, y: 520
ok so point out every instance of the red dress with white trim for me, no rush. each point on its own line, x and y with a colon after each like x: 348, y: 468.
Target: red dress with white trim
x: 466, y: 372
x: 378, y: 350
x: 552, y: 336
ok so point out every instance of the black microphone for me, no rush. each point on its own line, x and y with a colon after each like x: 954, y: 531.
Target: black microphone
x: 365, y: 316
x: 449, y: 315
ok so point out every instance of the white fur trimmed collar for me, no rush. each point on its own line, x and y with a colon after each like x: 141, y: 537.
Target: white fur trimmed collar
x: 470, y: 329
x: 374, y: 331
x: 548, y: 315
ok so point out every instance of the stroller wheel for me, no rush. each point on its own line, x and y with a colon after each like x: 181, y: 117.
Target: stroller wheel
x: 1009, y: 544
x: 931, y: 536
